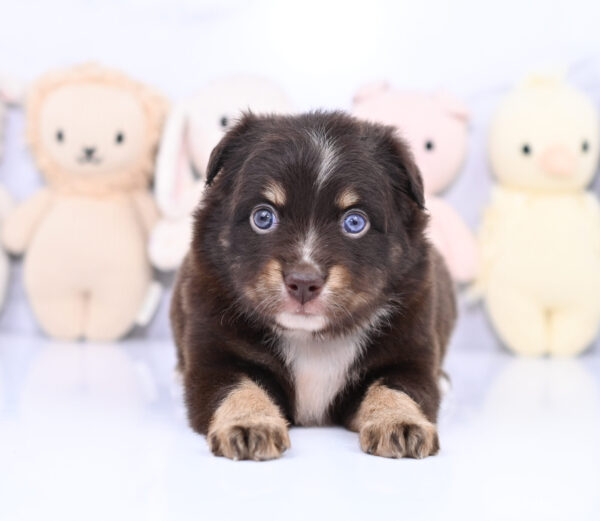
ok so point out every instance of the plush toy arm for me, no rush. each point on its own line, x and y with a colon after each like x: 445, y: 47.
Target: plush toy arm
x: 169, y: 242
x: 462, y: 248
x: 489, y: 241
x: 146, y: 209
x: 593, y: 208
x: 21, y: 223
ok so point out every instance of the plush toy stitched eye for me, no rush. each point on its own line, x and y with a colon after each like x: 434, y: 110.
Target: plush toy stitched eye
x: 355, y: 223
x: 60, y: 136
x: 526, y: 149
x: 224, y: 121
x: 585, y: 146
x: 119, y: 138
x: 263, y: 219
x: 429, y: 145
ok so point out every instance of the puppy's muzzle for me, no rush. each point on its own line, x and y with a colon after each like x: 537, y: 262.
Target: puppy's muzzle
x: 304, y: 283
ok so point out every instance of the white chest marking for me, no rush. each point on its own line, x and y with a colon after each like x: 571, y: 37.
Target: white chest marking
x: 320, y: 369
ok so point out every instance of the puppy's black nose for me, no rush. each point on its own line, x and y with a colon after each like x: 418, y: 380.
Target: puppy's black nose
x: 304, y: 284
x: 89, y: 151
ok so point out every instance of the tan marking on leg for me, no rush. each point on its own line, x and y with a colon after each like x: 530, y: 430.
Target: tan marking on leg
x: 391, y: 424
x: 275, y: 193
x: 347, y: 198
x: 248, y: 425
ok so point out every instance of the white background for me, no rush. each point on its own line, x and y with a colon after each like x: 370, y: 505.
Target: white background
x: 320, y: 51
x: 99, y: 432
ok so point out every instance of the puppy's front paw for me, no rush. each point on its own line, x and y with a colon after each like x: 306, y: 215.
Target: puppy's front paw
x: 399, y: 439
x: 259, y: 438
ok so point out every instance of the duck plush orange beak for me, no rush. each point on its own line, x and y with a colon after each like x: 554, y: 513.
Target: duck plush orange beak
x: 558, y: 161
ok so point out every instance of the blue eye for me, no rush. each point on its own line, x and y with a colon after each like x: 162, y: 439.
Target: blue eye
x: 355, y: 223
x: 263, y: 219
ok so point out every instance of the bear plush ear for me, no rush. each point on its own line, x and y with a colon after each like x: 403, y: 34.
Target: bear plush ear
x: 409, y: 182
x: 452, y: 105
x: 229, y: 143
x: 370, y: 90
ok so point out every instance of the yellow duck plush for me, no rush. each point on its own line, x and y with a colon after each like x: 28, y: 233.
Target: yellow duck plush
x: 540, y: 237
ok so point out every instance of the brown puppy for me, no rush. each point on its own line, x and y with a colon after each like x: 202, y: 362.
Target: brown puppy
x: 310, y: 294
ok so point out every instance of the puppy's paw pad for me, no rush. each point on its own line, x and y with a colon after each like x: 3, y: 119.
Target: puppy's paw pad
x: 399, y: 439
x: 258, y: 439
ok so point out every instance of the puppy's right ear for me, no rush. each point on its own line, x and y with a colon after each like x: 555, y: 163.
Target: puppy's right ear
x: 409, y: 182
x: 229, y: 143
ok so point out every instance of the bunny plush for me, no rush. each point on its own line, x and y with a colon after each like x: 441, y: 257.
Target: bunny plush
x: 193, y: 128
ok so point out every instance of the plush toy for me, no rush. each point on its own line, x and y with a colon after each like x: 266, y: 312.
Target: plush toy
x: 192, y: 129
x: 435, y: 126
x: 9, y: 95
x: 93, y: 133
x: 540, y: 239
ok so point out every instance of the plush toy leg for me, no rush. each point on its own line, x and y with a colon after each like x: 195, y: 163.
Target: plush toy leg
x: 572, y: 330
x: 114, y: 305
x: 61, y: 316
x: 520, y: 322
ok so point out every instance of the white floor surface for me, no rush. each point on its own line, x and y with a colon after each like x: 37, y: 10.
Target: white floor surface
x: 98, y: 432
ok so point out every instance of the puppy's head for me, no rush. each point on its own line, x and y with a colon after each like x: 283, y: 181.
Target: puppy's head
x: 312, y: 221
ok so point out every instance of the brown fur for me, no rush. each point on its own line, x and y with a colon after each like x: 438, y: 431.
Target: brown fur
x: 387, y: 288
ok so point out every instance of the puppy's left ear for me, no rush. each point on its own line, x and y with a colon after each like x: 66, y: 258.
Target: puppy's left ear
x: 410, y: 181
x: 229, y: 143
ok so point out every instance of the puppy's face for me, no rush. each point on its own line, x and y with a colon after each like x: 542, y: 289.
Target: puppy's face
x: 312, y: 220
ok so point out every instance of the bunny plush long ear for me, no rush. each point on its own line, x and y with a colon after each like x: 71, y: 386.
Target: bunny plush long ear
x: 175, y: 175
x: 452, y: 105
x: 11, y: 91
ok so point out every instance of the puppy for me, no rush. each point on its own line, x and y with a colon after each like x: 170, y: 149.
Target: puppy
x: 310, y: 295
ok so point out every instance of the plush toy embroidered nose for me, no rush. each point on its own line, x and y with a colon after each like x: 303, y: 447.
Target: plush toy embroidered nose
x: 304, y: 285
x: 89, y: 152
x: 558, y: 161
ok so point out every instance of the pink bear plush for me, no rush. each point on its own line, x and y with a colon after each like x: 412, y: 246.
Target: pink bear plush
x: 435, y: 126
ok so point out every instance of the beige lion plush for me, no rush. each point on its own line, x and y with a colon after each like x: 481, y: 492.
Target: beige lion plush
x: 93, y: 132
x: 540, y: 239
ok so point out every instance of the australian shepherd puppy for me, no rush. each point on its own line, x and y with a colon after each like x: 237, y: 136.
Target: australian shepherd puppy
x: 310, y: 294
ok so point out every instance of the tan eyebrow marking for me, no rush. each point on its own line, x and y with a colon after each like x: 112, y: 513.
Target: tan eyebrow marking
x: 347, y: 198
x: 275, y: 193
